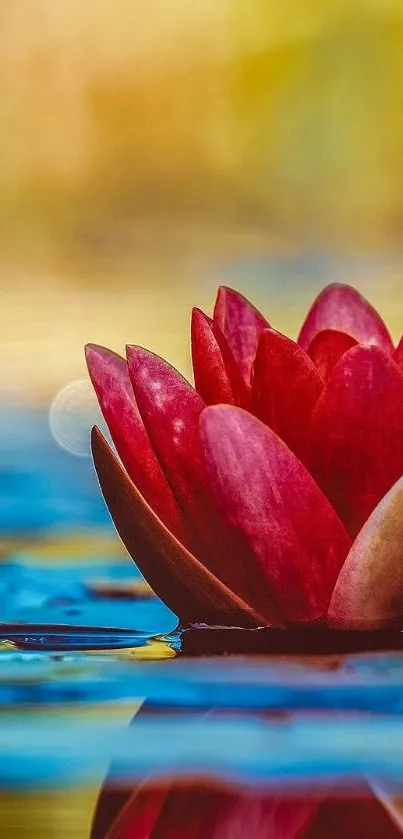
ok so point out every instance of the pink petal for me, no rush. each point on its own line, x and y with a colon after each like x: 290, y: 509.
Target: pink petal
x: 186, y: 586
x: 270, y: 497
x: 369, y: 591
x: 110, y: 378
x: 286, y: 387
x: 210, y: 374
x: 241, y: 324
x: 398, y: 354
x: 240, y: 388
x: 171, y: 409
x: 343, y: 308
x: 207, y: 810
x: 355, y: 449
x: 327, y: 348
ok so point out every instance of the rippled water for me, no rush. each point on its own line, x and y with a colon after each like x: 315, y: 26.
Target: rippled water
x: 94, y: 672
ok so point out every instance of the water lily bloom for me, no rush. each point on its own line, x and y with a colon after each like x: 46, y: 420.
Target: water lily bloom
x: 271, y: 493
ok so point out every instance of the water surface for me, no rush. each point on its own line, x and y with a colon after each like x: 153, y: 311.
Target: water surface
x: 95, y: 676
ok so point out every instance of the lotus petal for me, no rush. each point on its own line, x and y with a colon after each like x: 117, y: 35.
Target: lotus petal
x: 269, y: 496
x: 210, y: 373
x: 355, y: 447
x: 217, y: 375
x: 327, y: 348
x: 369, y: 591
x: 343, y: 308
x: 171, y: 409
x: 286, y: 387
x: 182, y: 582
x: 241, y: 324
x: 398, y: 354
x: 110, y: 378
x: 240, y: 388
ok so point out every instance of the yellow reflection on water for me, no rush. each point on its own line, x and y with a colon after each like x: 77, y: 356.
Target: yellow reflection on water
x: 154, y: 649
x: 64, y: 548
x: 63, y: 813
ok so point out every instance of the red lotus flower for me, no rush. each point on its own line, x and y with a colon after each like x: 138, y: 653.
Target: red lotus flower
x: 282, y: 501
x: 207, y: 810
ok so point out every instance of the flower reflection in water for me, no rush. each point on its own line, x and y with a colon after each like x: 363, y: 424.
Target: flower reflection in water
x: 205, y: 805
x: 204, y: 809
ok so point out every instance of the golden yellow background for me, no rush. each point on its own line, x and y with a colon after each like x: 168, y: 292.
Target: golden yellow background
x: 147, y: 145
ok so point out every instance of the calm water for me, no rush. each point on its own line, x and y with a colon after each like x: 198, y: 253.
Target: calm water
x: 95, y: 678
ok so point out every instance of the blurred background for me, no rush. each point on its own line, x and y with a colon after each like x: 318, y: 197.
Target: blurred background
x: 150, y: 149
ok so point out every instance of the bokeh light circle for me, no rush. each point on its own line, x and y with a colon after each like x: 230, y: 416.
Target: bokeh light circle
x: 72, y: 414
